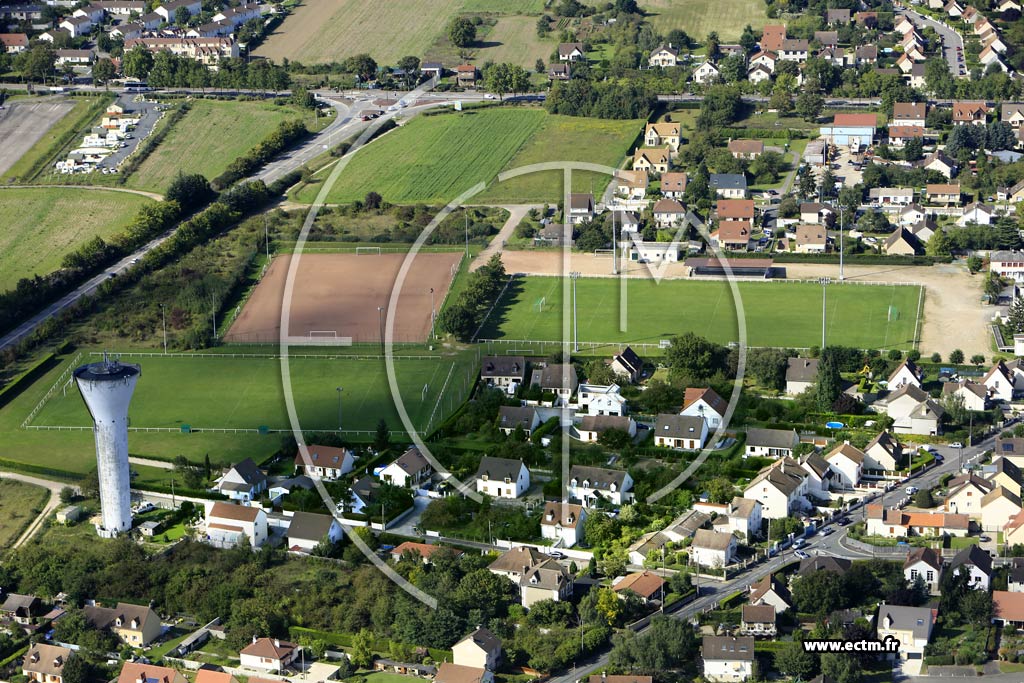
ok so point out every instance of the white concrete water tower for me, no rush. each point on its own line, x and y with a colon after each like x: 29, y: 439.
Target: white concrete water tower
x: 107, y: 388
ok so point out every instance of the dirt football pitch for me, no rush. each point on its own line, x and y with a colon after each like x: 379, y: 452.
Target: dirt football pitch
x: 341, y: 292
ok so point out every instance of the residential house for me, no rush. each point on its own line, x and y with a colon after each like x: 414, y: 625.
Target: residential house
x: 559, y: 72
x: 909, y: 114
x: 571, y: 52
x: 665, y: 134
x: 631, y: 185
x: 269, y: 654
x: 746, y: 149
x: 228, y: 526
x: 559, y: 379
x: 999, y: 382
x: 891, y: 196
x: 453, y: 673
x: 896, y: 523
x: 801, y: 374
x: 729, y: 210
x: 770, y: 443
x: 581, y: 207
x: 465, y: 75
x: 1002, y: 472
x: 836, y: 56
x: 793, y: 50
x: 970, y: 113
x: 758, y: 621
x: 908, y: 372
x: 813, y: 212
x: 647, y: 586
x: 911, y: 626
x: 883, y: 453
x: 325, y: 462
x: 998, y: 508
x: 912, y: 213
x: 828, y: 39
x: 729, y: 185
x: 764, y: 59
x: 20, y: 609
x: 680, y: 431
x: 780, y: 488
x: 943, y: 193
x: 654, y: 160
x: 135, y: 672
x: 743, y: 517
x: 926, y: 564
x: 243, y: 482
x: 977, y: 213
x: 1013, y: 193
x: 704, y: 403
x: 965, y: 493
x: 424, y: 551
x: 865, y: 54
x: 1015, y: 575
x: 673, y: 185
x: 13, y: 43
x: 924, y: 229
x: 938, y: 161
x: 206, y: 51
x: 668, y: 213
x: 307, y: 530
x: 628, y: 221
x: 134, y: 625
x: 664, y: 55
x: 772, y: 37
x: 707, y: 72
x: 837, y: 16
x: 732, y: 236
x: 1010, y: 112
x: 169, y: 9
x: 627, y: 364
x: 480, y: 649
x: 45, y: 663
x: 811, y: 239
x: 506, y: 372
x: 523, y: 417
x: 866, y: 19
x: 727, y: 658
x: 563, y: 522
x: 850, y: 130
x: 758, y: 74
x: 409, y: 470
x: 649, y: 546
x: 502, y: 477
x: 973, y: 395
x: 77, y: 26
x: 592, y: 427
x: 1007, y: 264
x: 976, y: 564
x: 1008, y: 608
x: 823, y: 563
x: 989, y: 55
x: 903, y: 242
x: 847, y: 464
x: 771, y: 591
x: 713, y: 548
x: 432, y: 69
x: 913, y: 411
x: 587, y: 484
x: 599, y: 399
x: 899, y: 136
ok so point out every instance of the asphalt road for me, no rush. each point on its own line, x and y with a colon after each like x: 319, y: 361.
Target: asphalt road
x: 148, y: 116
x: 951, y: 40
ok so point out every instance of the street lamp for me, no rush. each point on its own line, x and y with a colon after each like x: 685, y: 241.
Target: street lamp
x: 842, y: 211
x: 163, y: 316
x: 339, y: 408
x: 824, y: 282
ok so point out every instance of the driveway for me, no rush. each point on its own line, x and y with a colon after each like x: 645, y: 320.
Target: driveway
x: 516, y: 213
x: 951, y: 40
x: 408, y: 525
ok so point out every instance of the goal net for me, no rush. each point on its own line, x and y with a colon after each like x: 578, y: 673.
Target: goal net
x: 367, y: 250
x: 323, y: 334
x: 538, y: 305
x: 894, y: 313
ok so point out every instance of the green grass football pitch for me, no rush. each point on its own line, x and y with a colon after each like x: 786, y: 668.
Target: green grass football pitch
x: 783, y: 314
x: 247, y: 393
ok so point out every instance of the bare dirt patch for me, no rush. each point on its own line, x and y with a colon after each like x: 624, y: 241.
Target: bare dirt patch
x: 341, y: 293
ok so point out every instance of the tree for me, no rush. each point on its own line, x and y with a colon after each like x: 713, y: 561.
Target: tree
x: 768, y: 367
x: 992, y: 287
x: 781, y: 100
x: 1015, y: 319
x: 137, y: 62
x: 809, y: 105
x: 362, y: 649
x: 103, y: 70
x: 181, y: 16
x: 599, y: 372
x: 794, y: 661
x: 713, y: 46
x: 37, y: 62
x: 938, y: 244
x: 461, y: 32
x: 382, y: 437
x: 669, y: 644
x: 828, y: 384
x: 76, y: 670
x: 841, y: 668
x: 362, y: 65
x: 720, y: 107
x: 410, y: 66
x: 936, y: 357
x: 923, y: 499
x: 974, y: 263
x: 543, y: 26
x: 977, y: 359
x: 538, y: 66
x: 191, y: 191
x: 956, y: 357
x: 694, y: 357
x: 609, y: 606
x: 820, y: 592
x: 372, y: 201
x: 67, y: 495
x: 913, y: 149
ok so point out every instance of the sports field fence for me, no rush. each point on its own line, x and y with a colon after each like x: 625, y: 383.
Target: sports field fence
x: 65, y: 376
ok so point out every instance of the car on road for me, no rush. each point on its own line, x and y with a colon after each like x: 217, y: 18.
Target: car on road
x: 556, y: 554
x: 984, y: 539
x: 843, y: 521
x: 956, y: 444
x: 488, y: 96
x: 135, y: 260
x: 938, y: 457
x: 911, y: 490
x: 144, y: 507
x: 801, y: 554
x: 799, y: 543
x: 827, y: 530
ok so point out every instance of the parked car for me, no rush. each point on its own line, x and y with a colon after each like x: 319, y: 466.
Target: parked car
x: 556, y: 554
x: 801, y: 554
x: 984, y: 539
x: 911, y: 490
x: 956, y: 444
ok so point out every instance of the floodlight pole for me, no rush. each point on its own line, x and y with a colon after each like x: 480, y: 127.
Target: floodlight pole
x: 339, y: 408
x: 163, y: 316
x: 380, y: 314
x: 574, y: 275
x: 841, y: 245
x: 432, y: 314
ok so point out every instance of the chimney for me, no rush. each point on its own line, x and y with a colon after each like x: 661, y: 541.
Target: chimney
x: 142, y: 678
x: 277, y: 643
x: 254, y: 639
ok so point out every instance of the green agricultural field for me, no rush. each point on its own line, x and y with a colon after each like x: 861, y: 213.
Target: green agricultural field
x: 513, y: 39
x: 230, y: 393
x: 208, y: 138
x: 433, y: 159
x: 331, y: 30
x: 786, y: 314
x: 700, y: 17
x: 44, y: 224
x: 566, y: 138
x: 19, y: 504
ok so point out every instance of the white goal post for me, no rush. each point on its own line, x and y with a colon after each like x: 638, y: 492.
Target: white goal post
x: 321, y: 334
x: 367, y: 250
x: 604, y: 253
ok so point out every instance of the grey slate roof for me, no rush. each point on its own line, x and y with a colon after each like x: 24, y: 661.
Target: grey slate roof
x: 503, y: 366
x: 915, y: 619
x: 801, y: 369
x: 728, y: 181
x: 309, y: 526
x: 772, y: 438
x: 679, y: 426
x: 499, y: 469
x: 727, y: 648
x: 598, y: 477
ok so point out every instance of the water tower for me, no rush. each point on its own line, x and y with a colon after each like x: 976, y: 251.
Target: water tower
x: 107, y: 389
